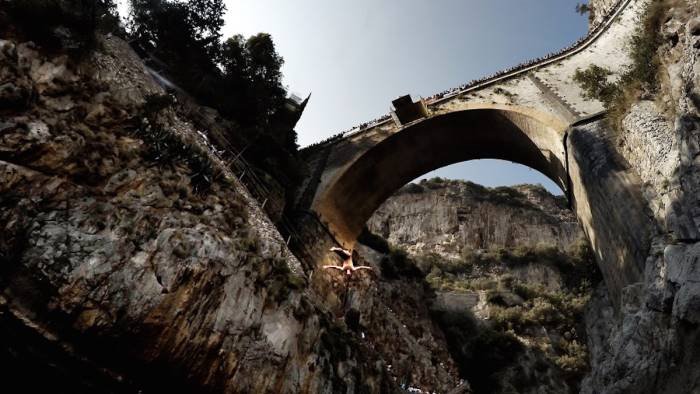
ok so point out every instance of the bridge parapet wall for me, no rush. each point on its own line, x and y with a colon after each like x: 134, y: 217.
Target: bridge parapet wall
x: 606, y: 43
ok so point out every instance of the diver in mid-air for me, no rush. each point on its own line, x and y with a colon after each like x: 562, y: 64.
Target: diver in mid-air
x: 348, y: 267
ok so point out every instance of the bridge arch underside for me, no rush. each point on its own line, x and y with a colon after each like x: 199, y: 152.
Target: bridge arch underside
x: 605, y: 194
x: 362, y: 186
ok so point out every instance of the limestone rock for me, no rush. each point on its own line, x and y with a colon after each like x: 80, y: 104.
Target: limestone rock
x: 457, y: 222
x: 107, y: 248
x: 16, y: 89
x: 694, y: 26
x: 449, y: 216
x: 599, y: 9
x: 15, y: 94
x: 648, y: 346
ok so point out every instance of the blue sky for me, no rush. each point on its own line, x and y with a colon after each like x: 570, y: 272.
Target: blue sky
x: 356, y: 56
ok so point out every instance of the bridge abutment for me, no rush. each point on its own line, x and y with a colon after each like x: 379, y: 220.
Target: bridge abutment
x: 608, y: 201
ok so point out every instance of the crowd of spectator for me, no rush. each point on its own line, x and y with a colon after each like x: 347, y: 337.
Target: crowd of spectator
x: 476, y: 82
x: 473, y: 83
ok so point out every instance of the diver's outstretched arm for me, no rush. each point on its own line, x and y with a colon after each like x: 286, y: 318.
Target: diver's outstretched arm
x: 363, y: 267
x: 333, y: 266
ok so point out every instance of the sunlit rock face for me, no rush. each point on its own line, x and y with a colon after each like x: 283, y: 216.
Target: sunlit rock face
x: 102, y: 242
x: 449, y: 217
x: 509, y: 266
x: 120, y: 271
x: 598, y: 9
x: 650, y: 345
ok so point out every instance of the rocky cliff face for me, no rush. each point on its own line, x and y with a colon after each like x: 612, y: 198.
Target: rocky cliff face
x: 451, y: 217
x: 649, y: 344
x: 598, y: 9
x: 132, y: 259
x: 120, y: 248
x: 508, y: 266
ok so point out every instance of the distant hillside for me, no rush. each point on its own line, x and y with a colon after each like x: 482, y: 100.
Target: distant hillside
x: 511, y: 273
x: 449, y: 217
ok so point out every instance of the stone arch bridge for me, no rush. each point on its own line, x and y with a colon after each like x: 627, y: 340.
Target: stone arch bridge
x: 535, y: 115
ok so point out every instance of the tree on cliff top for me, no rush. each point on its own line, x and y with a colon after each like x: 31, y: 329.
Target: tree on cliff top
x: 177, y: 30
x: 239, y: 77
x: 582, y: 8
x: 252, y: 69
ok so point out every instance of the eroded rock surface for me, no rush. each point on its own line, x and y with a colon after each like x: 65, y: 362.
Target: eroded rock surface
x: 123, y: 271
x: 511, y: 272
x: 448, y: 217
x: 650, y: 344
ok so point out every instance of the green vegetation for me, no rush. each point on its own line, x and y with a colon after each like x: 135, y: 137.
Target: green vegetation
x: 374, y: 241
x: 519, y: 317
x: 434, y: 183
x: 278, y: 280
x: 498, y: 195
x: 412, y: 188
x: 594, y: 82
x: 640, y: 78
x: 516, y: 307
x: 432, y: 262
x: 398, y: 265
x: 456, y: 275
x: 508, y: 94
x: 556, y: 311
x: 165, y: 147
x: 585, y: 8
x: 481, y: 353
x: 505, y: 195
x: 582, y: 8
x: 239, y: 77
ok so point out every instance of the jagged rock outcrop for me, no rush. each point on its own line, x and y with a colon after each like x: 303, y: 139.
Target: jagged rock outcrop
x: 509, y: 266
x: 448, y: 217
x: 125, y: 269
x: 598, y: 9
x: 122, y: 250
x: 650, y: 345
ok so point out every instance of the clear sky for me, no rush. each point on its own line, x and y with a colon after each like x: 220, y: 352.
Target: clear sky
x: 356, y: 56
